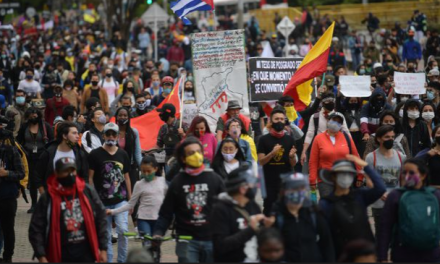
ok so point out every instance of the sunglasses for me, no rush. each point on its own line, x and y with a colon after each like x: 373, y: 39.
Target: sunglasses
x: 410, y: 172
x: 111, y: 133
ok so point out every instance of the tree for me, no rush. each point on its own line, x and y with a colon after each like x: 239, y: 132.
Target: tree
x: 121, y: 14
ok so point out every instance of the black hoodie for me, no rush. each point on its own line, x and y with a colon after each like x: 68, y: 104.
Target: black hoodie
x: 233, y: 238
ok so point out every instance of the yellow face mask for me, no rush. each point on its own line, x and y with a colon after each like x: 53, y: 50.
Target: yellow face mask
x: 195, y: 160
x: 291, y: 113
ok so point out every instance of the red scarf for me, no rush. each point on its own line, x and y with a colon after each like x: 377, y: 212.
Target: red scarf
x: 56, y: 192
x: 195, y: 172
x: 277, y: 134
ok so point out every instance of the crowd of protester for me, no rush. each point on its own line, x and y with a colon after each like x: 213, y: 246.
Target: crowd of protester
x: 87, y: 175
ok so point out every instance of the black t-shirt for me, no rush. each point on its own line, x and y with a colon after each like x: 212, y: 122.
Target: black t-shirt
x: 73, y: 231
x: 279, y: 163
x: 94, y: 93
x: 434, y: 165
x: 109, y: 173
x: 256, y: 112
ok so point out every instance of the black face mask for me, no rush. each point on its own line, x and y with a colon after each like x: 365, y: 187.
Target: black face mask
x: 122, y: 122
x: 378, y: 105
x: 373, y: 84
x: 34, y: 120
x: 437, y: 140
x: 352, y: 106
x: 279, y: 126
x: 68, y: 181
x: 108, y: 75
x: 251, y: 193
x: 94, y: 83
x: 388, y: 144
x: 329, y: 106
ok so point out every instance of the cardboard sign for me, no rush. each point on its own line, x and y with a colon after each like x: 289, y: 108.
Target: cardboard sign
x: 355, y: 86
x: 409, y: 83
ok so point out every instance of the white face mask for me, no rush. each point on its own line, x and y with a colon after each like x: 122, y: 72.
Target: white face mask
x: 228, y: 157
x: 413, y: 114
x: 428, y: 116
x: 344, y: 180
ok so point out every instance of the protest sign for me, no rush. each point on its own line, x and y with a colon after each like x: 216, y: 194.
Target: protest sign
x: 409, y: 83
x: 355, y: 86
x: 189, y: 112
x: 270, y: 76
x: 219, y: 66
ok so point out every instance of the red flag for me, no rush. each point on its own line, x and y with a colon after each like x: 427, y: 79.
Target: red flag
x: 149, y: 124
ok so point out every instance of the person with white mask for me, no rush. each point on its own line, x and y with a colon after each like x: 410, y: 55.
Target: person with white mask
x: 414, y: 129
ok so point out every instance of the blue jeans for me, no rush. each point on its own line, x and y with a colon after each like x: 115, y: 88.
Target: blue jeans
x: 146, y: 227
x: 121, y: 221
x: 194, y: 251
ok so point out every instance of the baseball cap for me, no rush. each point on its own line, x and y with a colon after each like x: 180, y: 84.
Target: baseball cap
x: 111, y: 127
x: 377, y: 65
x: 329, y: 80
x: 433, y: 72
x: 65, y: 163
x: 168, y: 109
x: 294, y: 180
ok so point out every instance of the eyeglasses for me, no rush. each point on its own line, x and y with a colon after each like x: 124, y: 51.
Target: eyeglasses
x: 410, y: 172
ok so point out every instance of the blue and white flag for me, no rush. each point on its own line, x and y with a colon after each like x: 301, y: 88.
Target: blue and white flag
x: 183, y: 7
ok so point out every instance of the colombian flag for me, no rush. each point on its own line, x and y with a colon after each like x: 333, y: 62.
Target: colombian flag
x: 149, y: 124
x: 313, y: 65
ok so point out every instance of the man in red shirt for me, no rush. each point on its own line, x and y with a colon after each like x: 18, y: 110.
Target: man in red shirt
x: 175, y: 54
x: 55, y: 105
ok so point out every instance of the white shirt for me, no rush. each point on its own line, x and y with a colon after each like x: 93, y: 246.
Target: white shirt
x: 110, y: 87
x: 29, y: 87
x: 231, y: 166
x: 61, y: 154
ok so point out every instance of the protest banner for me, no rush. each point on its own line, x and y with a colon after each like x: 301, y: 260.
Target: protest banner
x: 189, y: 112
x: 219, y: 66
x: 409, y: 83
x: 269, y: 77
x: 355, y: 86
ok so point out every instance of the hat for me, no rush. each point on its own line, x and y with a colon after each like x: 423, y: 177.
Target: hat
x: 2, y: 101
x: 38, y: 103
x: 329, y: 80
x: 239, y: 176
x: 433, y: 72
x: 233, y: 104
x: 25, y: 54
x: 338, y: 166
x: 111, y: 127
x: 377, y: 65
x: 57, y: 120
x: 274, y: 36
x: 65, y: 163
x: 168, y: 109
x: 293, y: 180
x: 411, y: 33
x: 335, y: 39
x: 336, y: 114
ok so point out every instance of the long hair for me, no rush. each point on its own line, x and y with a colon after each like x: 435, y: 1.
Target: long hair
x: 397, y: 126
x: 197, y: 120
x: 129, y: 133
x: 218, y: 158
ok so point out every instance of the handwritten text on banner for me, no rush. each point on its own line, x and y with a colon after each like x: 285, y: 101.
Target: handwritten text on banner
x: 355, y: 86
x: 409, y: 83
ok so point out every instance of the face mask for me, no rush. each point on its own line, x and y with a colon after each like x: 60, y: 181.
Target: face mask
x: 290, y: 113
x: 251, y: 193
x: 34, y: 120
x: 29, y: 77
x: 428, y: 116
x: 108, y: 75
x: 195, y: 160
x: 20, y: 100
x: 362, y: 71
x: 68, y: 88
x: 333, y: 126
x: 58, y: 95
x: 388, y: 144
x: 403, y: 99
x: 430, y: 95
x: 378, y: 104
x: 295, y: 198
x: 130, y: 89
x: 373, y: 84
x: 122, y: 122
x: 142, y: 106
x: 228, y: 157
x: 199, y: 133
x: 352, y: 106
x: 70, y: 144
x: 102, y: 119
x: 111, y: 142
x: 156, y: 84
x: 235, y: 133
x: 278, y: 126
x: 148, y: 177
x: 413, y: 114
x: 411, y: 180
x: 344, y: 180
x: 68, y: 181
x: 188, y: 94
x: 167, y: 91
x: 401, y: 112
x: 94, y: 83
x: 329, y: 106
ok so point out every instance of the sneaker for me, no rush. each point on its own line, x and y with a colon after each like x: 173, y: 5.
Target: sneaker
x: 31, y: 210
x: 114, y: 236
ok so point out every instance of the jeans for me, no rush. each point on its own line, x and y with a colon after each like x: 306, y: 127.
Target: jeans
x: 377, y: 218
x: 146, y: 227
x: 121, y: 221
x: 356, y: 60
x: 194, y: 251
x: 8, y: 209
x: 33, y: 164
x: 324, y: 189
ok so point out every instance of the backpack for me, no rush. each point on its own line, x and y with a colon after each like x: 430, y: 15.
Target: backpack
x: 418, y: 223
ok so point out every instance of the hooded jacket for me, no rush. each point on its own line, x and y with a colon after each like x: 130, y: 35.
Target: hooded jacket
x: 46, y: 160
x: 233, y: 238
x: 370, y: 115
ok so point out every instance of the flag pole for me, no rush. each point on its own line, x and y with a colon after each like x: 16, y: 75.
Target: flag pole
x: 182, y: 94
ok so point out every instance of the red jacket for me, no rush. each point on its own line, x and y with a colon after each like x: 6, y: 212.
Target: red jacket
x: 49, y: 112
